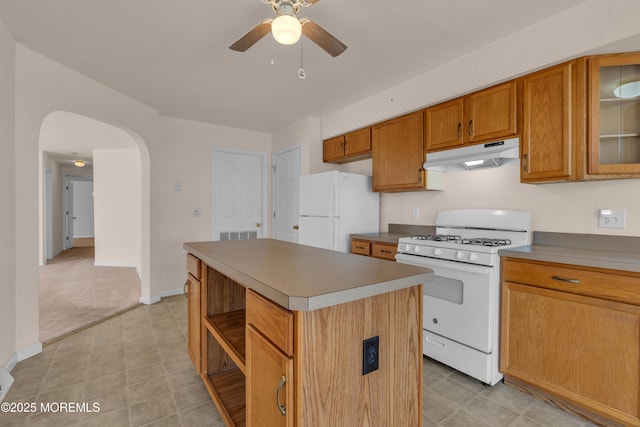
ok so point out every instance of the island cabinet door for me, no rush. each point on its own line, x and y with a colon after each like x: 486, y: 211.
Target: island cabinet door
x: 269, y: 383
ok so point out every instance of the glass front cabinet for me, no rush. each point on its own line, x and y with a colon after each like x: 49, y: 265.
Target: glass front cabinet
x: 614, y: 104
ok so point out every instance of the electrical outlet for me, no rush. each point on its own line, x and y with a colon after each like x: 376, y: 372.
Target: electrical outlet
x: 178, y: 186
x: 611, y: 218
x: 195, y: 212
x: 370, y: 354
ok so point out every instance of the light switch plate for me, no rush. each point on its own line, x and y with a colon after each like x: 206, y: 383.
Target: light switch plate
x: 611, y: 218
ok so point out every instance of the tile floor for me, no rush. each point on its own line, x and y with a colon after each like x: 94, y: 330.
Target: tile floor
x: 135, y: 366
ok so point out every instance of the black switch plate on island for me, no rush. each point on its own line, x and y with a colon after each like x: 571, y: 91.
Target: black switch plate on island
x: 370, y: 354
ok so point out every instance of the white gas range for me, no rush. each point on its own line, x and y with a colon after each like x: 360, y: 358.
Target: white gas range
x: 462, y: 304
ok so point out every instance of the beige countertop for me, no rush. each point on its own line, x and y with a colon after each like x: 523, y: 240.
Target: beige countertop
x: 616, y: 260
x: 379, y: 237
x: 300, y: 277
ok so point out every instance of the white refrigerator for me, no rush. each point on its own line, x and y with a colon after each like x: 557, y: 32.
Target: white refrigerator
x: 333, y: 205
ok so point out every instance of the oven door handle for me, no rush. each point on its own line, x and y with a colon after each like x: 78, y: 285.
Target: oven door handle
x: 427, y: 262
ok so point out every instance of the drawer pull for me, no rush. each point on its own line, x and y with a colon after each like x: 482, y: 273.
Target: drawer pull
x: 185, y: 289
x: 282, y: 408
x: 385, y: 251
x: 562, y: 279
x: 360, y: 247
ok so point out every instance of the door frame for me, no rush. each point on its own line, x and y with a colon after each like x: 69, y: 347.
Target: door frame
x: 266, y: 222
x: 274, y: 188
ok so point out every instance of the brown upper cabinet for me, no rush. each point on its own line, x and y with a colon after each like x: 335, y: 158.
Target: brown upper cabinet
x: 614, y: 113
x: 482, y: 116
x: 575, y: 127
x: 398, y: 154
x: 553, y: 131
x: 354, y: 145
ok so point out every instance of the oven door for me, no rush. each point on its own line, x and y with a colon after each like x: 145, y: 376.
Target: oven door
x: 460, y: 302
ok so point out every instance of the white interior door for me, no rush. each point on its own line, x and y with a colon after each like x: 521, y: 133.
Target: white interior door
x: 238, y: 195
x: 286, y: 177
x: 68, y: 218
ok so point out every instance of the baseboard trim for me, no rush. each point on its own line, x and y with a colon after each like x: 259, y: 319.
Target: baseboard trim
x: 166, y: 293
x: 27, y: 352
x: 148, y: 301
x: 113, y: 264
x: 172, y: 292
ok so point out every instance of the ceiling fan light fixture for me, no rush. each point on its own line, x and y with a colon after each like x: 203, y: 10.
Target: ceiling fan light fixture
x: 627, y: 90
x: 286, y: 29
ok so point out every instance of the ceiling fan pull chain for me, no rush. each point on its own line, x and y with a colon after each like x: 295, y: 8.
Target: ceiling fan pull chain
x: 301, y: 72
x: 272, y: 51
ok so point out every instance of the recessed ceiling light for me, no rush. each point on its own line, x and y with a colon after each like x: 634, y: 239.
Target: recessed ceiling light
x: 79, y: 163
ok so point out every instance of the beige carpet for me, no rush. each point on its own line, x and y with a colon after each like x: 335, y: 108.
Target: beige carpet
x: 74, y: 293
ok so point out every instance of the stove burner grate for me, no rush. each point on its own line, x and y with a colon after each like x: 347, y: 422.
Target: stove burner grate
x: 454, y: 238
x: 438, y: 237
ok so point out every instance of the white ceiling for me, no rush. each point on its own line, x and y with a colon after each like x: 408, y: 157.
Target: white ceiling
x: 173, y: 54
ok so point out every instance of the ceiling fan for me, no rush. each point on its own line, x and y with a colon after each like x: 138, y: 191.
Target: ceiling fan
x: 286, y: 28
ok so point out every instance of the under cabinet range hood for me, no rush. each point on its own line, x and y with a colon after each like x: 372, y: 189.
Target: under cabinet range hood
x: 476, y: 156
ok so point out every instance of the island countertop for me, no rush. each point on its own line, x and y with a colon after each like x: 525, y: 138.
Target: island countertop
x: 300, y: 277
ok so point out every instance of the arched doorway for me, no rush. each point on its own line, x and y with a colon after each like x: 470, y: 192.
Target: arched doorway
x: 97, y: 282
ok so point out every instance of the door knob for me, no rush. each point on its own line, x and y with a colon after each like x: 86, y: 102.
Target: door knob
x: 258, y: 224
x: 295, y: 227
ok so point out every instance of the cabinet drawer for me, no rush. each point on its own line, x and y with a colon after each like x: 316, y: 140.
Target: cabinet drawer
x: 193, y: 266
x: 610, y: 285
x: 384, y: 251
x: 361, y: 247
x: 273, y: 321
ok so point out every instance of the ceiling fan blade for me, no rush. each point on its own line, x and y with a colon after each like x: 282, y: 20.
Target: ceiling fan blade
x: 322, y: 37
x: 249, y: 39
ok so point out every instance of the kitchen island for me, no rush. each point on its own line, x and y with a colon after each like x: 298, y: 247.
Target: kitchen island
x: 287, y: 334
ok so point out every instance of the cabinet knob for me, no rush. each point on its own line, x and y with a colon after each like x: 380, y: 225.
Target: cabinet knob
x: 470, y: 127
x: 258, y: 224
x: 295, y: 227
x: 281, y: 408
x: 185, y: 288
x: 525, y: 160
x: 459, y: 130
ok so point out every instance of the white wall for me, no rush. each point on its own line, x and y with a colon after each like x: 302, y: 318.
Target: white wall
x: 7, y: 206
x: 562, y: 207
x: 307, y: 134
x: 185, y: 157
x: 42, y: 87
x: 117, y: 207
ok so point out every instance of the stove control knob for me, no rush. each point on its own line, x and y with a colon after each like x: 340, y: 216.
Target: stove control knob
x: 406, y: 248
x: 473, y: 257
x: 417, y: 249
x: 459, y: 255
x: 437, y: 251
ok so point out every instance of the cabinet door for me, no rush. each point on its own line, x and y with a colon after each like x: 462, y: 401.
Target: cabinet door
x: 547, y: 145
x: 333, y: 149
x: 269, y: 383
x: 614, y: 114
x: 357, y: 142
x: 583, y: 349
x: 491, y: 113
x: 443, y: 125
x: 194, y: 321
x: 398, y: 154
